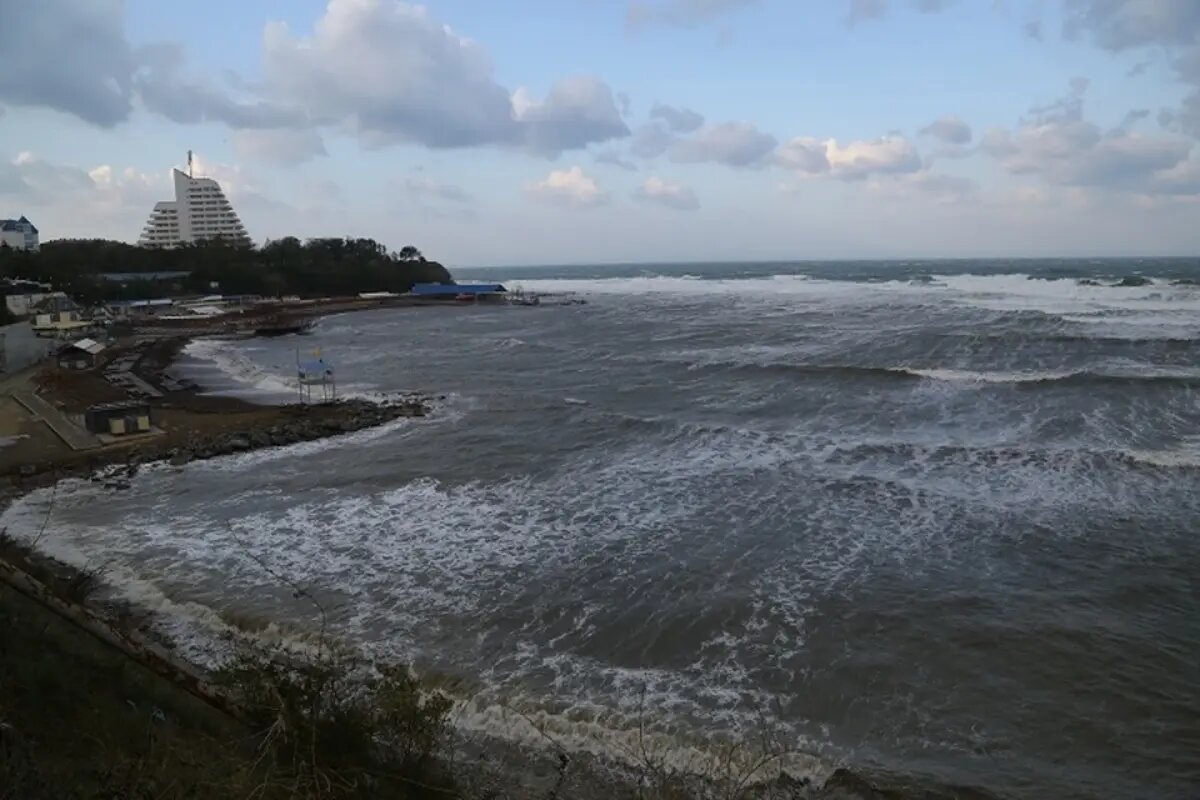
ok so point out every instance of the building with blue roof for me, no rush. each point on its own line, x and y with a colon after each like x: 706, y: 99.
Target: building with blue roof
x: 19, y: 234
x: 458, y: 291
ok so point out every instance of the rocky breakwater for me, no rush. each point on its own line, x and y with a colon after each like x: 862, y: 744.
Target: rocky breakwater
x: 296, y: 424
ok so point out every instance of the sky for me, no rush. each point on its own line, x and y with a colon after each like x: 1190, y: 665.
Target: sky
x: 591, y: 131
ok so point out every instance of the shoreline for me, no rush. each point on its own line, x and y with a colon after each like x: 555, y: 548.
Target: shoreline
x: 211, y: 426
x: 486, y: 758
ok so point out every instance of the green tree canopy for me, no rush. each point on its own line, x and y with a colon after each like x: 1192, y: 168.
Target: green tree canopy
x: 313, y: 268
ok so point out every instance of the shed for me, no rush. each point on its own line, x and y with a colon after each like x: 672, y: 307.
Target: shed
x: 119, y: 419
x: 82, y: 354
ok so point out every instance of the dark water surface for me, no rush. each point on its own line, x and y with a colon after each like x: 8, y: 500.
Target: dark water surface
x: 939, y: 521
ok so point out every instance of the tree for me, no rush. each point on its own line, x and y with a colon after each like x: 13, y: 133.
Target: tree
x: 315, y: 268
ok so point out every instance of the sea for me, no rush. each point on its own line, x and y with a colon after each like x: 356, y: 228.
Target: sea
x: 933, y: 523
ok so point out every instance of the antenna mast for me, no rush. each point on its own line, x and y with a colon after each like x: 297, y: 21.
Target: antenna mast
x: 190, y: 175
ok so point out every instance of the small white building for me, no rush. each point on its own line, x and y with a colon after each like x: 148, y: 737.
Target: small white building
x: 60, y: 324
x: 19, y: 234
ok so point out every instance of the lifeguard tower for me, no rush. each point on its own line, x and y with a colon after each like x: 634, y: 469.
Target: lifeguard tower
x: 315, y: 373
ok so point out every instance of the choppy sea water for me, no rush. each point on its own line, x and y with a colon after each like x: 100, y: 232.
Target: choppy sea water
x: 938, y: 523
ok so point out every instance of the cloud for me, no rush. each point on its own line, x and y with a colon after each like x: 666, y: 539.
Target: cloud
x: 384, y: 68
x: 614, y: 159
x: 570, y: 188
x: 393, y: 72
x: 280, y: 146
x: 577, y: 112
x: 163, y: 88
x: 1033, y: 29
x: 949, y: 129
x: 863, y: 10
x: 1122, y: 24
x: 428, y: 188
x: 29, y: 178
x: 681, y: 13
x: 932, y: 6
x: 398, y: 75
x: 102, y: 197
x: 804, y: 154
x: 735, y: 144
x: 652, y: 140
x: 1170, y: 25
x: 853, y: 161
x: 68, y: 55
x: 1058, y: 145
x: 666, y: 193
x: 1132, y: 118
x: 678, y: 120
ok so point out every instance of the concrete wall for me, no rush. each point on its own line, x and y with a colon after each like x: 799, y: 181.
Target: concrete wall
x: 19, y: 347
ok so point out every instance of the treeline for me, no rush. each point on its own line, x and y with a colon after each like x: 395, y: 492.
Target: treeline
x: 313, y: 268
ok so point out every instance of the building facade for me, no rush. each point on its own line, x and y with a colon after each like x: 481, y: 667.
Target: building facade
x: 199, y: 211
x: 19, y: 234
x: 20, y: 347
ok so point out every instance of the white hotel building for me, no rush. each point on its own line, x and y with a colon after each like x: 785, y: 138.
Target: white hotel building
x: 199, y: 211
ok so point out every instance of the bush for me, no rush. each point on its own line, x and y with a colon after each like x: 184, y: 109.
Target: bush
x: 333, y: 726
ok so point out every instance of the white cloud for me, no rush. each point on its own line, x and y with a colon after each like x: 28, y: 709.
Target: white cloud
x: 30, y: 179
x: 164, y: 88
x: 576, y: 112
x: 949, y: 129
x: 570, y: 188
x: 804, y: 154
x: 279, y: 146
x: 679, y: 120
x: 652, y: 140
x: 1056, y: 144
x: 398, y: 75
x: 1172, y: 26
x: 852, y: 161
x: 735, y: 144
x: 666, y: 193
x: 66, y: 200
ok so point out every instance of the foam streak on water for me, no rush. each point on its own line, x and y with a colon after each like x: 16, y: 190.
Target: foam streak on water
x: 930, y: 521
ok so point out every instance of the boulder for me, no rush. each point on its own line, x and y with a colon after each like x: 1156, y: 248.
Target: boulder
x: 181, y: 457
x: 1134, y: 280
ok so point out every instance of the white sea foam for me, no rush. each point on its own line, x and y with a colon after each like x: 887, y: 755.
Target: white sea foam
x: 1154, y: 305
x: 978, y: 376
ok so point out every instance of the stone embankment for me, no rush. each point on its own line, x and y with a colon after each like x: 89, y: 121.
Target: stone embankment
x: 341, y: 418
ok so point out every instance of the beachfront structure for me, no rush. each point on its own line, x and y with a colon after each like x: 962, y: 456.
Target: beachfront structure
x: 19, y: 234
x: 83, y: 354
x: 458, y: 291
x: 118, y: 419
x: 23, y: 298
x: 60, y: 324
x: 21, y: 347
x: 199, y: 211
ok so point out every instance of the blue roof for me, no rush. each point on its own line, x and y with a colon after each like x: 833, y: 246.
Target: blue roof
x: 452, y: 289
x: 17, y: 225
x: 124, y: 277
